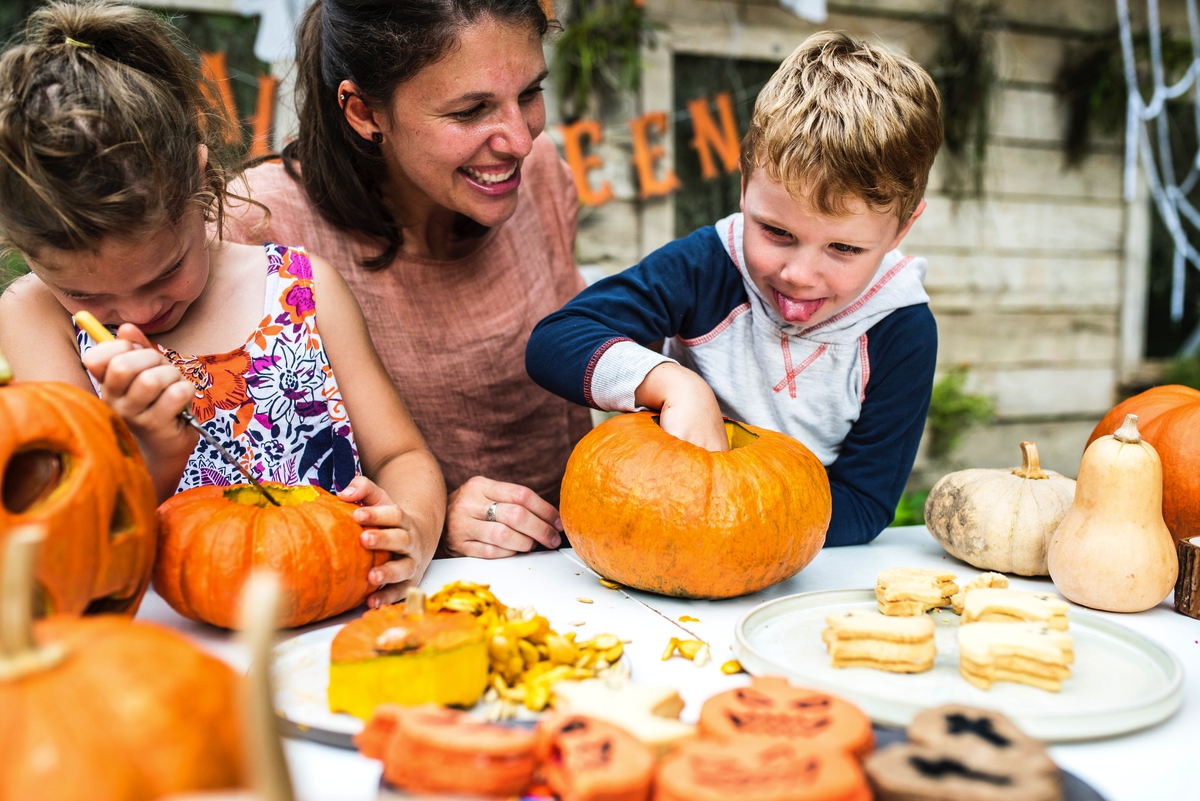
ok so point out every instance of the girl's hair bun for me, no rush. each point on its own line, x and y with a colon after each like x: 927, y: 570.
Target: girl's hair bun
x: 102, y: 120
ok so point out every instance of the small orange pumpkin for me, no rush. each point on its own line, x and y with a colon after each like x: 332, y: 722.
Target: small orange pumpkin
x: 70, y: 465
x: 106, y: 708
x: 651, y: 511
x: 1169, y: 419
x: 212, y: 538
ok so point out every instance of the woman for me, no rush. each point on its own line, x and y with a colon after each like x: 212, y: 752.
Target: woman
x: 422, y: 174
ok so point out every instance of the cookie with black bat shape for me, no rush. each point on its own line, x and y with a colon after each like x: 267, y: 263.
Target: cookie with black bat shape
x: 583, y: 759
x: 960, y: 753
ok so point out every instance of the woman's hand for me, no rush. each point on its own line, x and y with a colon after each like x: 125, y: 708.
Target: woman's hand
x: 386, y: 528
x: 518, y: 519
x: 148, y: 393
x: 689, y: 410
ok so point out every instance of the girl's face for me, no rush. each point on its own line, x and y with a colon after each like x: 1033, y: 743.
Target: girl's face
x: 457, y: 132
x: 149, y: 281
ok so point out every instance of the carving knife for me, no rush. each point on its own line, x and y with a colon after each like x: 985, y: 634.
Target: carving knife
x: 97, y: 331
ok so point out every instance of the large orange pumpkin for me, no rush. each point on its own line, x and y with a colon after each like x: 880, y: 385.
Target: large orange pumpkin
x: 1169, y: 419
x: 104, y: 708
x: 212, y: 538
x: 70, y: 465
x: 649, y: 510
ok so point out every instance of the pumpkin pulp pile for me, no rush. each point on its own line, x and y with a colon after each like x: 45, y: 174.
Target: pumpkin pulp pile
x: 648, y: 510
x: 212, y: 538
x: 452, y: 647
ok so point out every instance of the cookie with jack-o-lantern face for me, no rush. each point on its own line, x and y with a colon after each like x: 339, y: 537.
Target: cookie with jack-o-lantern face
x: 590, y: 760
x: 771, y: 707
x: 758, y: 769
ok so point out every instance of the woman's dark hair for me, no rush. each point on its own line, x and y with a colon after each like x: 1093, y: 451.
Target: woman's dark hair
x: 101, y: 120
x: 377, y: 45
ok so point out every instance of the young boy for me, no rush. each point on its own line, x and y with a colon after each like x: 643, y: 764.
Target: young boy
x: 798, y: 314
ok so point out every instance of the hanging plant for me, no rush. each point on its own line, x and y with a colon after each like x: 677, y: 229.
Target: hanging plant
x: 964, y: 69
x: 600, y: 49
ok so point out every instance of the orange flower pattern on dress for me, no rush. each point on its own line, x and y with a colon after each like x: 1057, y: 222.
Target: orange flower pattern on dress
x: 274, y: 402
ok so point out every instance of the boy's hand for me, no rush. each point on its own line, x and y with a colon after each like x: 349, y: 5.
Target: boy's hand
x: 688, y: 407
x: 385, y: 528
x: 148, y: 393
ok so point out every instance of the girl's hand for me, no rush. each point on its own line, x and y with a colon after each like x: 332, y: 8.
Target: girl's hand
x: 519, y: 520
x: 148, y: 393
x: 386, y: 528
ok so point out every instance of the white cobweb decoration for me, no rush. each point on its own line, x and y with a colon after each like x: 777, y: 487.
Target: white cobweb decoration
x: 1170, y: 195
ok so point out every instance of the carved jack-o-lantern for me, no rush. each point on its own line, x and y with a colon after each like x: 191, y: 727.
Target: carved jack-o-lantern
x: 772, y: 708
x: 70, y: 464
x: 582, y: 758
x: 760, y: 768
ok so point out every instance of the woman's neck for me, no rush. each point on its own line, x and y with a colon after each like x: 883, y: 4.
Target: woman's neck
x: 429, y: 230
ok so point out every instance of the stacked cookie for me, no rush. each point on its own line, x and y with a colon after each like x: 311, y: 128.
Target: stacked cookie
x: 1027, y: 653
x: 866, y: 638
x: 957, y: 753
x: 982, y: 581
x: 1013, y: 606
x: 908, y: 591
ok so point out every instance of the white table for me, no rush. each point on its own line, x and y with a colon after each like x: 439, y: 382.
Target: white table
x: 1152, y: 764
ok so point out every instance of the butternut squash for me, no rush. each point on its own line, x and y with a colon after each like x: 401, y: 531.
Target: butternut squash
x: 1113, y: 551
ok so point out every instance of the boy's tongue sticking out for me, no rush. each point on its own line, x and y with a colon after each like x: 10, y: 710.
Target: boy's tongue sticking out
x: 796, y: 310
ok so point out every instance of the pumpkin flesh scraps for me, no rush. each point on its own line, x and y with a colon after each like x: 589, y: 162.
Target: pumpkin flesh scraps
x: 443, y: 660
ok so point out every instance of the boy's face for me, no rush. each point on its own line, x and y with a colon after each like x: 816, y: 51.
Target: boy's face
x: 809, y: 265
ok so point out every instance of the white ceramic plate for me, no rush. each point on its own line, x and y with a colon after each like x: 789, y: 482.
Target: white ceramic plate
x: 1120, y: 681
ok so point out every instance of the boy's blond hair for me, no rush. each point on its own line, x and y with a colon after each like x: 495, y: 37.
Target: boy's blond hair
x: 843, y: 119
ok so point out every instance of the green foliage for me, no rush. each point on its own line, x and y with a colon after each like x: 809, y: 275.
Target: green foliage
x: 599, y: 49
x: 911, y: 509
x: 964, y: 69
x: 12, y: 267
x: 952, y: 411
x: 1183, y: 370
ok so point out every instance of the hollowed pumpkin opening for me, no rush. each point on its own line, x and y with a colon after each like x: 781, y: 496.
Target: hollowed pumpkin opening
x: 737, y: 435
x: 124, y: 440
x: 110, y: 606
x: 287, y: 496
x: 122, y: 521
x: 30, y: 478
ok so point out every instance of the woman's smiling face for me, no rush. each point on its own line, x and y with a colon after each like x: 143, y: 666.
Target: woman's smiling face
x: 457, y: 132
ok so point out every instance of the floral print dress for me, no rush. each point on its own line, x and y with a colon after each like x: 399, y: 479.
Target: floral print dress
x: 274, y: 402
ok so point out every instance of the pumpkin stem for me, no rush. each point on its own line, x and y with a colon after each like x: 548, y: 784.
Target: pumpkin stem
x: 1031, y: 463
x: 260, y: 612
x: 1128, y: 432
x: 19, y: 653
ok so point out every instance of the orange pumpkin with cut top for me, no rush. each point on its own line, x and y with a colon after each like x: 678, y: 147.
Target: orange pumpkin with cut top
x: 213, y: 538
x: 71, y: 466
x: 1169, y: 419
x: 651, y: 511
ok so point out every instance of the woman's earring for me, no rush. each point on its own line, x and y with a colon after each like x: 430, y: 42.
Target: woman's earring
x: 377, y: 138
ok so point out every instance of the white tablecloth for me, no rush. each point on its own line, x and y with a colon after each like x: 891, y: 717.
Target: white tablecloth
x: 1152, y: 764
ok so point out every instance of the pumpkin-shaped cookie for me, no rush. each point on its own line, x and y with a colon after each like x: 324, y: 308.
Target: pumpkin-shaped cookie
x: 432, y: 749
x: 589, y: 760
x: 772, y: 708
x: 651, y: 511
x: 213, y: 538
x: 761, y: 769
x: 1000, y: 519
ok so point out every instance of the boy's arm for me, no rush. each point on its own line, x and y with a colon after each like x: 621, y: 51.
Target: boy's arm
x: 592, y: 352
x: 868, y: 477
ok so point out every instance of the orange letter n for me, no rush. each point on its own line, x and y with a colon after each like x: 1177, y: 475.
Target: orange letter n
x: 709, y: 137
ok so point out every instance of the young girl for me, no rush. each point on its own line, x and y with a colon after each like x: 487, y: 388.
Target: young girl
x: 111, y: 188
